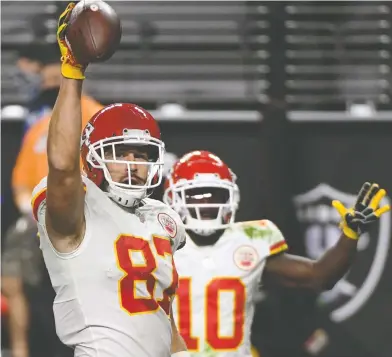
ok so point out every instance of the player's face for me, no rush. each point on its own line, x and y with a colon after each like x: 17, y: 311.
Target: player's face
x: 206, y: 195
x: 119, y: 171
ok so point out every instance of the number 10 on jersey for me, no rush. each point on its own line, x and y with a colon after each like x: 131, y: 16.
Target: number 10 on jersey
x: 212, y: 313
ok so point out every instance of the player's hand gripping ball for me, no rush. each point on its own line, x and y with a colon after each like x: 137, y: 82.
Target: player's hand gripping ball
x: 357, y: 220
x: 87, y: 32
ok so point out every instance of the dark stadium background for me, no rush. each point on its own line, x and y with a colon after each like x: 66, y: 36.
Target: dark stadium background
x: 290, y: 94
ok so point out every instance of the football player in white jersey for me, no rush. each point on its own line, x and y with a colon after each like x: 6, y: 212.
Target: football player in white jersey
x: 107, y: 247
x: 221, y: 266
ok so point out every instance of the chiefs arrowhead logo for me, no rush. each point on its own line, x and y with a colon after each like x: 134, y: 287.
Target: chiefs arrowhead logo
x: 246, y: 257
x: 320, y: 222
x: 168, y: 224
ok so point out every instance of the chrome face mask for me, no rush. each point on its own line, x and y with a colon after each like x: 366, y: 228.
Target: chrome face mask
x: 127, y: 193
x: 205, y: 204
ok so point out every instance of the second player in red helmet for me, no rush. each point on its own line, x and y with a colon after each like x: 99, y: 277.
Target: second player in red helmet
x: 203, y: 190
x: 223, y: 263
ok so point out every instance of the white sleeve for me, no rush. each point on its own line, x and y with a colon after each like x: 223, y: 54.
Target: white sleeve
x: 277, y: 242
x: 268, y: 232
x: 180, y: 237
x: 38, y: 201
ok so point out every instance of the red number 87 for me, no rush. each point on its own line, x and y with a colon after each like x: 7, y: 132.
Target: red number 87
x: 143, y: 273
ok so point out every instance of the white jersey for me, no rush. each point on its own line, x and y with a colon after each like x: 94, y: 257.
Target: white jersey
x: 113, y: 292
x: 215, y: 300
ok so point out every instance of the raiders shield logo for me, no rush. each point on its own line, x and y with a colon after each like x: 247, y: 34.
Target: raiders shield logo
x: 320, y: 221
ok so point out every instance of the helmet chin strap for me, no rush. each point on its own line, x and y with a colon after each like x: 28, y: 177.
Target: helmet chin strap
x: 126, y: 197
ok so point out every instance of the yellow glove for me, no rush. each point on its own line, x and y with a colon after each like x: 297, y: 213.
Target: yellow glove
x: 357, y: 220
x: 69, y: 66
x: 254, y: 352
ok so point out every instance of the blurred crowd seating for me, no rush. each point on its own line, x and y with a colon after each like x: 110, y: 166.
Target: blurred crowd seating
x: 222, y: 55
x: 337, y: 53
x: 170, y: 51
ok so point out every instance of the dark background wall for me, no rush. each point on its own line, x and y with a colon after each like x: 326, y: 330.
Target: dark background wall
x: 302, y: 65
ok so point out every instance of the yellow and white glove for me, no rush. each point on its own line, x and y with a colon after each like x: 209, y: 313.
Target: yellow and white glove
x: 69, y: 66
x: 358, y: 219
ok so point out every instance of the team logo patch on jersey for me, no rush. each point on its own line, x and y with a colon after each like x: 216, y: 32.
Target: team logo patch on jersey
x: 246, y: 257
x: 168, y: 224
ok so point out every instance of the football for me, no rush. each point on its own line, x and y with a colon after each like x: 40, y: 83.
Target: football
x: 93, y: 32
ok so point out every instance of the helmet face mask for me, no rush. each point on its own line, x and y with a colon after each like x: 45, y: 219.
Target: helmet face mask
x: 106, y: 152
x: 106, y: 143
x: 206, y: 201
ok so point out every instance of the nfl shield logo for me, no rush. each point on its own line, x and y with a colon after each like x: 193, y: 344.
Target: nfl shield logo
x: 320, y: 222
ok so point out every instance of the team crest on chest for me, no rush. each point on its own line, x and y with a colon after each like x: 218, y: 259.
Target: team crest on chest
x: 168, y: 224
x: 245, y: 257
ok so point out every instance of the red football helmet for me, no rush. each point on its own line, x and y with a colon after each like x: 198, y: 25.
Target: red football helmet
x: 202, y: 190
x: 119, y: 124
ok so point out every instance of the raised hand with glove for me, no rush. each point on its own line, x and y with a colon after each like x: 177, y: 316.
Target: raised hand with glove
x: 325, y: 272
x: 366, y: 210
x: 70, y: 68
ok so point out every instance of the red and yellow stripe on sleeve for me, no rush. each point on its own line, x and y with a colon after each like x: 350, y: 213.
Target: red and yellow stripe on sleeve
x: 39, y: 198
x: 278, y: 247
x: 36, y: 202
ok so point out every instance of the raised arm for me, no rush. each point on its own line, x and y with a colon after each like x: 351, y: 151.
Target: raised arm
x: 324, y: 273
x: 65, y: 197
x: 65, y: 193
x: 318, y: 275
